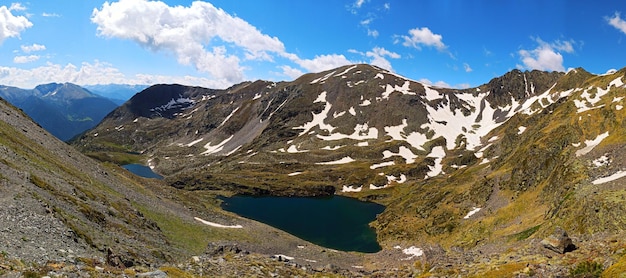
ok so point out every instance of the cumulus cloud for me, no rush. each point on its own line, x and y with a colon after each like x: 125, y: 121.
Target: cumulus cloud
x: 378, y: 57
x: 11, y: 25
x: 25, y: 59
x: 378, y: 54
x: 322, y: 62
x: 291, y: 72
x: 617, y: 22
x: 547, y: 56
x: 32, y: 48
x: 198, y: 34
x: 419, y: 37
x: 443, y: 84
x: 92, y: 73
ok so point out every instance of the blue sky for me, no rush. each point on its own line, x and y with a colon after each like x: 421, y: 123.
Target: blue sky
x: 223, y: 42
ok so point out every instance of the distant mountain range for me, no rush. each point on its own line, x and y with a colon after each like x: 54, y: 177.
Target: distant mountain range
x: 118, y: 93
x: 65, y: 110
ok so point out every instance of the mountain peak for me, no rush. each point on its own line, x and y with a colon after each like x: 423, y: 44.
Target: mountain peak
x: 64, y: 91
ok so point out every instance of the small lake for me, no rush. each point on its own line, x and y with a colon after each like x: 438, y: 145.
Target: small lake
x: 142, y: 171
x: 336, y: 222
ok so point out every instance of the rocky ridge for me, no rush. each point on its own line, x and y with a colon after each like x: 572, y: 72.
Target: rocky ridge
x: 503, y: 163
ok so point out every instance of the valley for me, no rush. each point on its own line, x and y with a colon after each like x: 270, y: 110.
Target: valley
x: 471, y: 180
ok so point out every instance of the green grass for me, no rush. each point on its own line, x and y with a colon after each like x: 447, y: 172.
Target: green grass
x: 188, y: 234
x: 526, y: 233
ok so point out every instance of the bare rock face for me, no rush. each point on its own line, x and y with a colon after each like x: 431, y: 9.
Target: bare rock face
x: 558, y: 242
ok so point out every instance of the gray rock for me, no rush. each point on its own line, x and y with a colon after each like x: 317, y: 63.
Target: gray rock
x: 558, y: 242
x: 153, y: 274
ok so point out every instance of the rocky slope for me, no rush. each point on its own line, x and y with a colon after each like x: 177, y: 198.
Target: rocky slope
x: 63, y: 214
x: 65, y: 110
x: 499, y: 165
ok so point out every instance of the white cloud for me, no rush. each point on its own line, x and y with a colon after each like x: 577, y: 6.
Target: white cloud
x: 547, y: 56
x: 372, y: 33
x: 467, y: 67
x: 10, y: 25
x: 25, y: 59
x: 617, y: 22
x: 199, y: 34
x: 419, y: 37
x: 443, y: 84
x: 92, y: 73
x: 387, y: 6
x: 291, y: 72
x: 440, y: 83
x: 32, y: 48
x: 358, y: 3
x: 322, y: 62
x: 378, y: 55
x: 17, y: 7
x: 44, y: 14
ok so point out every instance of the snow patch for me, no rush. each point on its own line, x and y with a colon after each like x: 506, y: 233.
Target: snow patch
x: 323, y: 78
x: 361, y: 132
x: 404, y: 89
x: 194, y: 142
x: 294, y: 149
x: 615, y: 176
x: 212, y: 224
x: 338, y: 114
x: 438, y: 153
x: 472, y: 212
x: 217, y: 148
x: 228, y: 117
x: 431, y: 94
x: 346, y: 71
x: 413, y: 251
x: 344, y: 160
x: 180, y: 102
x: 294, y: 174
x: 601, y: 161
x: 283, y: 257
x: 351, y: 189
x: 383, y: 164
x: 318, y: 119
x: 590, y: 144
x: 521, y: 129
x: 404, y: 152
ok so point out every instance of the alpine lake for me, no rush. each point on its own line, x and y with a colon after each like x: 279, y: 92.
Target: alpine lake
x: 335, y: 222
x: 142, y: 171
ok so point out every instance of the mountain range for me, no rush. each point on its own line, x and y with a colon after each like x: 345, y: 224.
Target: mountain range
x: 65, y: 110
x: 118, y: 93
x: 473, y: 178
x: 514, y: 158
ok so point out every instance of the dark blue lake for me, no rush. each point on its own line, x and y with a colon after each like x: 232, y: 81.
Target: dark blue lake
x: 142, y: 171
x: 336, y: 222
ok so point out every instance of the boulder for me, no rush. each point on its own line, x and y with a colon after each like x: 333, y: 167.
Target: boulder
x: 558, y: 242
x: 153, y: 274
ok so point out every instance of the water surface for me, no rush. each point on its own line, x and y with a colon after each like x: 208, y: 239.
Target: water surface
x: 336, y: 222
x: 142, y: 171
